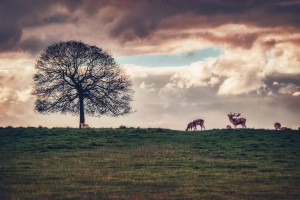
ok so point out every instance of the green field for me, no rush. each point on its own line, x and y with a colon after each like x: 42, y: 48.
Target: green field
x: 131, y: 163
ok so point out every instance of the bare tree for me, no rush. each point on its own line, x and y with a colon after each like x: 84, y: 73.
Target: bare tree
x: 73, y: 77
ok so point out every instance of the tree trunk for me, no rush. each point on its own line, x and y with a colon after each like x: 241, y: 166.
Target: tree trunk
x: 81, y: 114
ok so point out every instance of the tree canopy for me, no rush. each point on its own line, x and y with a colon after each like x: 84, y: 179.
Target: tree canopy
x: 73, y: 77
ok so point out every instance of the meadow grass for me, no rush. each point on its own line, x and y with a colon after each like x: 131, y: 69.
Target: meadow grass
x: 129, y: 163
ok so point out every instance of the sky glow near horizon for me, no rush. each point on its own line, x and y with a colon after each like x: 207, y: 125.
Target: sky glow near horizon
x: 187, y: 59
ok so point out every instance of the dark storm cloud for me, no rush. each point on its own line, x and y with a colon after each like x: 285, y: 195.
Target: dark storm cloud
x: 55, y: 19
x: 139, y: 19
x: 9, y: 36
x: 282, y: 78
x: 282, y: 83
x: 147, y: 17
x: 11, y: 14
x: 16, y: 15
x: 35, y: 45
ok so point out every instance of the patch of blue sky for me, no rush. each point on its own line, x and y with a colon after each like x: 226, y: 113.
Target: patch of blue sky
x: 269, y: 55
x: 167, y: 60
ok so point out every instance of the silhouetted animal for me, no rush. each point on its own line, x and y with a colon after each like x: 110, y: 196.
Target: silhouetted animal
x: 190, y: 126
x: 237, y: 121
x: 278, y: 126
x: 83, y: 125
x: 228, y: 127
x: 199, y: 122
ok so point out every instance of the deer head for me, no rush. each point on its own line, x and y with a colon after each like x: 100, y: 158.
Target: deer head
x: 233, y: 115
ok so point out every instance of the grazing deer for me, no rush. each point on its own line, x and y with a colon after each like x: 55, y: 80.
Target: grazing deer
x: 228, y: 127
x: 190, y: 126
x: 237, y: 121
x: 278, y: 126
x: 199, y: 122
x: 83, y: 125
x: 285, y: 128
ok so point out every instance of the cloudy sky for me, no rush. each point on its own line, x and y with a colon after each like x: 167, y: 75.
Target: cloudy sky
x: 187, y: 59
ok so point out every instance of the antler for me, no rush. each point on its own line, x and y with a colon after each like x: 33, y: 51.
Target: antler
x: 235, y: 115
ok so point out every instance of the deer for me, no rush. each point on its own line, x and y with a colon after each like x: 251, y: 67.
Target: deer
x: 190, y: 126
x: 237, y: 121
x: 228, y: 127
x: 83, y: 125
x: 278, y: 126
x: 199, y: 122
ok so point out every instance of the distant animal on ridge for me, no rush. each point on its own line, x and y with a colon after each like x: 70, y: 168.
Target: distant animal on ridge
x: 237, y: 121
x: 228, y: 127
x: 278, y: 126
x: 190, y: 126
x: 199, y: 122
x: 83, y: 125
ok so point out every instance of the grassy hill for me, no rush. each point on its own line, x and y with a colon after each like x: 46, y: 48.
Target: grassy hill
x: 63, y: 163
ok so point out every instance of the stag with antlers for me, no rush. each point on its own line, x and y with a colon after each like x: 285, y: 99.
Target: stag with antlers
x: 237, y: 121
